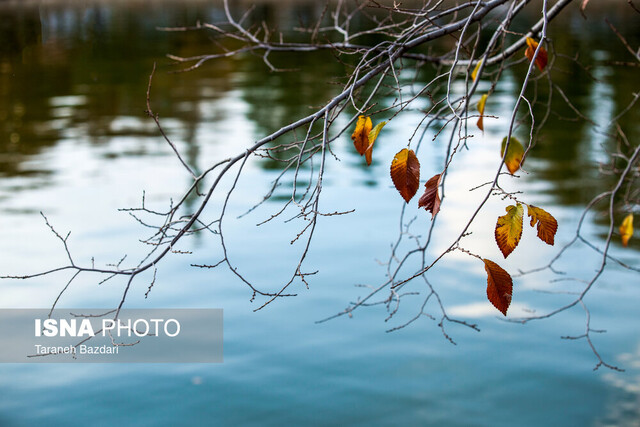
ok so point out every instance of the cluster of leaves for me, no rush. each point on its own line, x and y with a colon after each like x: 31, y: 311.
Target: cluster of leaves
x: 509, y: 227
x: 405, y: 174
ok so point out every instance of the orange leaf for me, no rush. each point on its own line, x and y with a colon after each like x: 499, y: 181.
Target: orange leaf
x: 481, y: 104
x: 405, y: 173
x: 499, y: 286
x: 541, y: 59
x: 373, y: 134
x: 430, y: 200
x: 360, y: 136
x: 474, y: 73
x: 626, y: 229
x: 547, y: 224
x: 509, y: 229
x: 513, y: 159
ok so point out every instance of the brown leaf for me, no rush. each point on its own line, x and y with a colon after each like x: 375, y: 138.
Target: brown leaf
x: 513, y: 159
x: 499, y: 286
x: 509, y: 229
x: 405, y: 173
x: 360, y: 136
x: 541, y: 59
x: 547, y: 224
x: 430, y: 200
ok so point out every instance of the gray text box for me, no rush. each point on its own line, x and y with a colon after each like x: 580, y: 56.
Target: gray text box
x: 95, y: 336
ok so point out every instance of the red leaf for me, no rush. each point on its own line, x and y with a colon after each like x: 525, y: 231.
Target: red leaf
x: 499, y: 286
x: 430, y: 200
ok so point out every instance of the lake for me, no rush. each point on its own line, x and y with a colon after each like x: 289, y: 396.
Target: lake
x: 76, y: 145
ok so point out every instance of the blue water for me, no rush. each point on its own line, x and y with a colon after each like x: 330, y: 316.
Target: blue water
x: 86, y: 149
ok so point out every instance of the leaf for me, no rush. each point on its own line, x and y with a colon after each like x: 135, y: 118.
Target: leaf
x: 541, y: 59
x: 499, y: 286
x: 430, y: 200
x: 481, y: 103
x: 405, y: 173
x: 509, y: 229
x: 547, y: 224
x: 373, y: 134
x: 474, y: 74
x: 360, y: 136
x: 626, y: 229
x: 513, y: 160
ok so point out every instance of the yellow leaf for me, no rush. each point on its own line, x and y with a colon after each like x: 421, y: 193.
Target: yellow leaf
x: 405, y: 173
x: 499, y: 286
x: 626, y: 229
x: 474, y: 74
x: 360, y: 136
x: 513, y: 159
x: 532, y: 44
x: 509, y: 229
x: 373, y: 134
x: 541, y: 59
x: 481, y: 103
x: 547, y: 224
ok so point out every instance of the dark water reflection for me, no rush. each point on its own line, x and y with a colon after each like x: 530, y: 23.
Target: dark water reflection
x: 84, y: 67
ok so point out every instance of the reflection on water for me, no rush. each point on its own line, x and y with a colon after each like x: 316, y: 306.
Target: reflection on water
x: 64, y: 73
x: 74, y: 142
